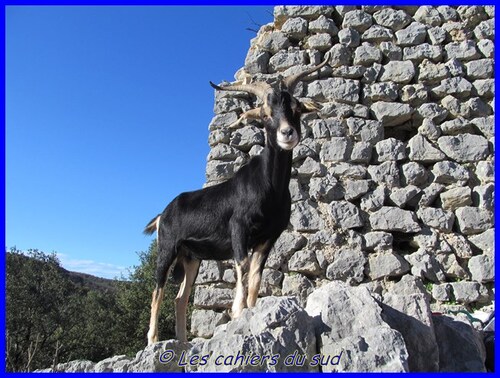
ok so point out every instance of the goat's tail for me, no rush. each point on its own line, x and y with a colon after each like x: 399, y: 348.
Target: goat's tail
x: 152, y: 226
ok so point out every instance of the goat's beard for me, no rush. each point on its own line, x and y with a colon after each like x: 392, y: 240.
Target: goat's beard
x: 288, y: 145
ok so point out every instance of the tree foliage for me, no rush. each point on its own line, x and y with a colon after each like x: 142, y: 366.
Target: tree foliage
x: 53, y: 318
x: 134, y: 303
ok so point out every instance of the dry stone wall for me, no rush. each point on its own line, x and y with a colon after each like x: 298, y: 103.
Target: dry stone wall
x: 393, y: 181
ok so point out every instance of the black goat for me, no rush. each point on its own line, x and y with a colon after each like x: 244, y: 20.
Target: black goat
x: 247, y: 212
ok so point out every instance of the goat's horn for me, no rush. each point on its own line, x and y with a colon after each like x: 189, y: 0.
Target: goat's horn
x: 291, y: 81
x: 260, y: 89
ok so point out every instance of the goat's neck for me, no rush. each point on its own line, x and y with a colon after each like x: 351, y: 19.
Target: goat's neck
x: 277, y: 167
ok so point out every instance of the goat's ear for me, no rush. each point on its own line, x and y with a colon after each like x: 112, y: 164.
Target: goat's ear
x: 308, y: 105
x: 248, y: 115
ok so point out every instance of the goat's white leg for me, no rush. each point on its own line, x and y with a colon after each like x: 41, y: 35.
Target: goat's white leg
x: 181, y: 301
x: 254, y: 277
x: 240, y: 299
x: 155, y: 310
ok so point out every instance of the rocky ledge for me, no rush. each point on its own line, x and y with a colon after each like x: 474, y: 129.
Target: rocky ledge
x: 340, y: 329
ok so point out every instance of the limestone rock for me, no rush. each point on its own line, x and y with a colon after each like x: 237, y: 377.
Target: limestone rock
x: 386, y: 264
x: 213, y: 297
x: 460, y: 347
x: 203, y: 322
x: 295, y: 28
x: 244, y: 139
x: 304, y: 261
x: 428, y: 15
x: 336, y: 149
x: 421, y: 150
x: 464, y: 147
x: 473, y: 220
x: 262, y: 330
x: 334, y: 89
x: 323, y: 25
x: 305, y: 217
x: 484, y: 241
x: 410, y: 314
x: 348, y: 266
x: 367, y: 54
x: 297, y: 285
x: 401, y: 196
x: 153, y: 357
x: 390, y: 149
x: 414, y: 173
x: 398, y: 72
x: 391, y: 18
x: 378, y: 240
x: 390, y: 113
x: 345, y: 215
x: 357, y: 19
x: 414, y: 34
x: 287, y: 243
x: 482, y: 268
x: 365, y: 130
x: 449, y: 172
x: 386, y: 173
x: 350, y: 321
x: 394, y: 219
x: 437, y: 218
x: 454, y: 198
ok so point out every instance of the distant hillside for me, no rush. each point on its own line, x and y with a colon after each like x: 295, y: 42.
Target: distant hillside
x: 91, y: 282
x: 83, y: 280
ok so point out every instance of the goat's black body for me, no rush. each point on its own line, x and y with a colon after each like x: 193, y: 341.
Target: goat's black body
x: 246, y: 213
x: 227, y: 220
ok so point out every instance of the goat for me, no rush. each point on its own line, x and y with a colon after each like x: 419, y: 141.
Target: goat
x: 247, y: 212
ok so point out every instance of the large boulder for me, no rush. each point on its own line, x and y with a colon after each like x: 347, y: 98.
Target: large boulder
x: 277, y: 327
x: 349, y: 324
x: 460, y: 346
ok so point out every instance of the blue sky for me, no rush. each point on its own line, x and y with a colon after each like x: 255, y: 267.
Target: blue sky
x: 107, y: 113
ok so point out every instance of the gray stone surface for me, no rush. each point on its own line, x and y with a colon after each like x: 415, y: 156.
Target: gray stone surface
x: 345, y: 215
x: 473, y: 220
x: 413, y: 34
x: 350, y: 321
x: 386, y: 264
x: 357, y: 19
x: 482, y: 268
x: 390, y: 218
x: 334, y: 89
x: 464, y: 147
x: 305, y: 217
x: 212, y: 297
x: 203, y: 322
x: 398, y: 72
x: 410, y: 314
x: 421, y: 150
x: 460, y: 347
x: 148, y: 359
x: 437, y: 218
x: 454, y: 198
x: 263, y: 330
x: 365, y: 130
x: 304, y: 261
x: 323, y: 25
x: 348, y: 265
x: 298, y: 286
x: 295, y: 28
x: 390, y: 149
x: 414, y: 173
x: 391, y: 18
x: 390, y: 113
